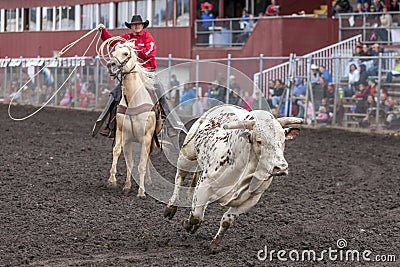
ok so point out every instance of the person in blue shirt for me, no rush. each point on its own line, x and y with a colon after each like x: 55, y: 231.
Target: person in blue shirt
x: 324, y: 72
x: 188, y: 93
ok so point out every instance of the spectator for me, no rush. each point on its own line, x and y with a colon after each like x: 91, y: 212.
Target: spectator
x: 360, y: 5
x: 217, y: 92
x: 319, y: 91
x: 341, y: 6
x: 247, y: 101
x: 292, y: 110
x: 392, y: 120
x: 206, y: 17
x: 394, y: 6
x: 187, y: 97
x: 272, y: 9
x: 366, y: 6
x: 378, y: 4
x: 314, y: 74
x: 365, y: 90
x: 374, y: 51
x: 91, y: 86
x: 363, y: 74
x: 370, y: 106
x: 322, y: 116
x: 242, y: 37
x: 386, y: 22
x: 330, y: 93
x: 244, y: 19
x: 340, y: 112
x: 235, y: 91
x: 259, y: 101
x: 67, y: 98
x: 174, y: 84
x: 278, y: 91
x: 298, y: 88
x: 44, y: 94
x: 396, y: 71
x: 354, y: 77
x: 324, y: 72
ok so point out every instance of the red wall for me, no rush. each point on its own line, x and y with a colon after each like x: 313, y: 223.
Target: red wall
x: 32, y: 44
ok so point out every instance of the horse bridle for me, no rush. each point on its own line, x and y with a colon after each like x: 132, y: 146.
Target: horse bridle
x: 123, y: 64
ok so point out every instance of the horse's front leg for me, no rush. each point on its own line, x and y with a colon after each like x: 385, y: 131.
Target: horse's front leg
x: 143, y: 163
x: 128, y: 154
x: 112, y: 181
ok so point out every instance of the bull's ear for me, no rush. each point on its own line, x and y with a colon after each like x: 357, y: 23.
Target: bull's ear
x: 291, y: 132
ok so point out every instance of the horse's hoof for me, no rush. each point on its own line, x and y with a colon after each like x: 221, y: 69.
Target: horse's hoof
x: 111, y: 185
x: 149, y: 182
x: 215, y: 247
x: 170, y: 211
x: 140, y: 196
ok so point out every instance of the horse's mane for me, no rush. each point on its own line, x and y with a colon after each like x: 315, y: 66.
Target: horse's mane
x: 114, y: 43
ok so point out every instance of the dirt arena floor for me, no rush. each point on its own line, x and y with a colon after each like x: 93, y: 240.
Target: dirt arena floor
x: 342, y: 193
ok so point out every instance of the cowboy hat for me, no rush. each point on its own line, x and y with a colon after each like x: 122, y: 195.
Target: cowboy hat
x: 137, y: 19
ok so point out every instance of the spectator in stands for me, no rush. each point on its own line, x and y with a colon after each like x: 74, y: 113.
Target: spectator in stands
x: 396, y: 71
x: 244, y: 19
x: 44, y: 94
x: 91, y: 84
x: 174, y: 84
x: 354, y: 77
x: 330, y: 93
x: 374, y: 51
x: 388, y: 104
x: 298, y: 88
x: 217, y: 92
x: 363, y: 74
x: 392, y: 120
x: 272, y: 9
x: 369, y: 108
x: 366, y: 5
x: 259, y: 101
x: 394, y: 6
x: 206, y: 23
x: 378, y: 4
x: 360, y: 5
x: 278, y: 92
x: 314, y: 74
x: 340, y: 112
x: 235, y: 91
x: 341, y: 6
x: 188, y: 95
x: 322, y: 116
x: 325, y: 72
x: 247, y: 101
x: 365, y: 90
x: 67, y: 98
x: 292, y: 109
x: 319, y: 91
x: 248, y: 29
x: 386, y: 22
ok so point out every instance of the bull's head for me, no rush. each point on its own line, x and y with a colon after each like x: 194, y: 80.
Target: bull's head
x: 267, y: 136
x: 123, y: 59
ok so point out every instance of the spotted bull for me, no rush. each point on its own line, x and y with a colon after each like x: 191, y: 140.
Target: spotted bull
x: 236, y: 154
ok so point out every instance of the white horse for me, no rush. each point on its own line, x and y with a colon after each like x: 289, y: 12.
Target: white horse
x: 136, y: 119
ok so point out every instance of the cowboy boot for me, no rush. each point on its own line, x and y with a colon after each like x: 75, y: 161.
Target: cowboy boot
x: 113, y: 100
x: 103, y: 116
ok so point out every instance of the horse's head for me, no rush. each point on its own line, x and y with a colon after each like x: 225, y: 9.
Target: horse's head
x: 123, y: 59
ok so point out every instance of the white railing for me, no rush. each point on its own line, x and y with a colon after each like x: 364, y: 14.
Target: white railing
x: 322, y: 57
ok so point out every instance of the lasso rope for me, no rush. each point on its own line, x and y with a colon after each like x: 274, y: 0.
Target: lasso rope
x: 63, y: 51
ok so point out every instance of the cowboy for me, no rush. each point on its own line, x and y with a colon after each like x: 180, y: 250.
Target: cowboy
x: 146, y: 51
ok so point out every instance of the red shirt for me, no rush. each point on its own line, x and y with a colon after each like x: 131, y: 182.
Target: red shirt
x: 145, y: 45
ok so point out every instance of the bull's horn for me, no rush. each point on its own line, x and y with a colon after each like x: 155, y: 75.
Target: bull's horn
x: 289, y: 120
x: 239, y: 125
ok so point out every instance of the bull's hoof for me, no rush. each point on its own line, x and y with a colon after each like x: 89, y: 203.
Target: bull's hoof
x: 215, y: 246
x: 170, y: 211
x: 126, y: 190
x: 191, y: 225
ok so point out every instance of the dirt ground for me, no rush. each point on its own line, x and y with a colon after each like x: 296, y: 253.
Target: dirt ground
x: 56, y: 210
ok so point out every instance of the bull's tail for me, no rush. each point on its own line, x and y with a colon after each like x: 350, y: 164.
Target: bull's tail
x: 193, y: 184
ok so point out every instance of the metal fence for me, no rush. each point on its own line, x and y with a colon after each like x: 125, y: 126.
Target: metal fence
x: 369, y: 26
x: 89, y: 85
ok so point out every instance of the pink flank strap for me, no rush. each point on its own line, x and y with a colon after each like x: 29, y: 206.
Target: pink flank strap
x: 135, y: 110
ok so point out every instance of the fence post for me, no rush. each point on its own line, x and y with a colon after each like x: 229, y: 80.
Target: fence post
x: 379, y: 87
x: 76, y: 83
x: 197, y: 72
x: 97, y: 79
x: 260, y: 78
x: 228, y: 73
x: 5, y: 82
x: 169, y: 75
x: 308, y: 91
